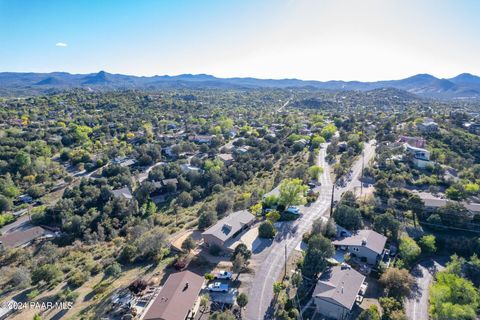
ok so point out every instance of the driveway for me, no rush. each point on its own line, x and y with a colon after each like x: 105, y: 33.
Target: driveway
x: 416, y: 306
x: 21, y: 224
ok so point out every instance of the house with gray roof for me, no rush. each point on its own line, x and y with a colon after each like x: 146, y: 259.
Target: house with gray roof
x: 21, y: 239
x: 224, y: 231
x: 124, y: 193
x: 367, y: 245
x: 337, y: 290
x: 433, y: 203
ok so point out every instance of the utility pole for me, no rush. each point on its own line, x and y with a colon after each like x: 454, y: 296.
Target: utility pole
x: 331, y: 201
x: 285, y: 276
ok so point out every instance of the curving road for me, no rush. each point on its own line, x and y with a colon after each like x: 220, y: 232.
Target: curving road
x: 290, y: 235
x: 416, y: 306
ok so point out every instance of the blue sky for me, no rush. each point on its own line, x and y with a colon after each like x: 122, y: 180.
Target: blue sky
x: 307, y: 39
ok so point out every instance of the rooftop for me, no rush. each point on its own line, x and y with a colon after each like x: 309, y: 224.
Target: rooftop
x: 20, y: 238
x: 368, y: 238
x: 177, y: 297
x: 122, y: 193
x: 341, y: 284
x: 231, y: 224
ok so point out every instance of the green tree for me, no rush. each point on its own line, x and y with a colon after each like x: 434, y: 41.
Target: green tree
x: 49, y: 273
x: 113, y: 270
x: 238, y: 264
x: 22, y: 160
x: 184, y: 199
x: 128, y: 253
x: 241, y: 249
x: 206, y: 219
x: 256, y: 209
x: 188, y: 244
x: 427, y: 243
x: 387, y: 225
x: 348, y: 217
x: 390, y: 305
x: 242, y: 300
x: 314, y: 172
x: 453, y: 297
x: 472, y: 188
x: 222, y: 315
x: 270, y: 201
x: 273, y: 216
x: 328, y: 131
x: 317, y: 141
x: 5, y: 205
x: 278, y: 287
x: 292, y: 192
x: 266, y: 230
x: 371, y: 313
x: 455, y: 192
x: 409, y: 249
x: 78, y: 278
x: 318, y: 250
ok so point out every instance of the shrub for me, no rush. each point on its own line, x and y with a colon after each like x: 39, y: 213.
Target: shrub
x: 78, y: 278
x: 397, y: 282
x: 427, y: 243
x: 137, y: 286
x: 266, y: 230
x: 409, y: 249
x: 113, y: 270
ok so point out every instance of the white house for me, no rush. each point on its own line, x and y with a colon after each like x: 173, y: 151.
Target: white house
x: 420, y: 156
x: 367, y: 245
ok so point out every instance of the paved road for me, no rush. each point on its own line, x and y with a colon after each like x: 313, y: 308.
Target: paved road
x: 416, y: 306
x: 284, y: 105
x: 21, y: 224
x: 355, y: 184
x: 272, y: 261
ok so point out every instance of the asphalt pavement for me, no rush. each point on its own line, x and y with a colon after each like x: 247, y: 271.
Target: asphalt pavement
x: 416, y: 306
x: 272, y: 260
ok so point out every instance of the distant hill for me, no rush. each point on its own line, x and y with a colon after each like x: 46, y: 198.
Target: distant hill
x: 463, y: 86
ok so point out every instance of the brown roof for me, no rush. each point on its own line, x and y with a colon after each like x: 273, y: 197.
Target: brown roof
x: 368, y: 238
x: 19, y: 238
x: 176, y: 298
x: 225, y: 156
x: 341, y: 284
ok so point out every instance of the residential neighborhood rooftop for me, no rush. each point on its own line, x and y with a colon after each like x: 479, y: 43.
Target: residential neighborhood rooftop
x: 231, y: 224
x: 368, y: 238
x: 176, y: 298
x: 340, y: 283
x: 21, y: 238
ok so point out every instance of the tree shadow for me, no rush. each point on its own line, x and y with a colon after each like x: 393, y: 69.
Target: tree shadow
x: 260, y: 244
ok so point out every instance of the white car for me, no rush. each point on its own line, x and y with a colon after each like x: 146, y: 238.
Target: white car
x: 293, y: 210
x: 363, y: 288
x: 218, y: 287
x: 222, y: 274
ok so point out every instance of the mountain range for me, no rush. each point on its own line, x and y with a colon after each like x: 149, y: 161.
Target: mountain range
x: 463, y: 86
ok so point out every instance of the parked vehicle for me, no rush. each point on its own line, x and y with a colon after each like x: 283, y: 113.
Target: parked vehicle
x: 293, y: 210
x: 222, y: 274
x: 393, y: 250
x: 218, y: 287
